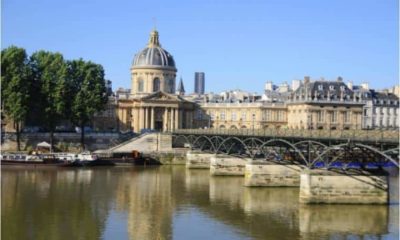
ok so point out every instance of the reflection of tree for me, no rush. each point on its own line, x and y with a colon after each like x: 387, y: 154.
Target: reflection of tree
x: 53, y: 204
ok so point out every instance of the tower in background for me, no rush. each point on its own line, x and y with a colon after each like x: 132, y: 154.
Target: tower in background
x: 199, y: 82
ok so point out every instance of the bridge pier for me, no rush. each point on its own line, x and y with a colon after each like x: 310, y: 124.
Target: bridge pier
x: 343, y: 187
x: 198, y: 159
x: 225, y: 165
x: 262, y: 173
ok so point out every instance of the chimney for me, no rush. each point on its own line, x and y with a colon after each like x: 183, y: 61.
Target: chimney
x: 365, y: 85
x: 350, y: 85
x: 306, y: 80
x: 268, y: 86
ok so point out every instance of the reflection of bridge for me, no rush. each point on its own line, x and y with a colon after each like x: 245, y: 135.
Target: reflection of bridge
x: 310, y: 148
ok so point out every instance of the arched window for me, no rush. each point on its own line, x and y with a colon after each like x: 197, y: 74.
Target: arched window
x: 156, y: 85
x: 140, y: 85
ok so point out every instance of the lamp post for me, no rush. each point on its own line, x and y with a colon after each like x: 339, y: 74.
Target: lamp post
x: 254, y: 116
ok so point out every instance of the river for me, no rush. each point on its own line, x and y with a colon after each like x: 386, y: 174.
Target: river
x: 171, y: 202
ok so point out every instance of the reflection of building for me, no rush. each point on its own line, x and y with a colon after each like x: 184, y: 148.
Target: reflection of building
x: 148, y: 202
x: 152, y: 103
x: 199, y: 82
x: 334, y: 219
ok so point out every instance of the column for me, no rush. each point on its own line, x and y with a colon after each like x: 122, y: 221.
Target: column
x: 147, y: 117
x: 176, y: 111
x: 141, y: 119
x: 190, y: 119
x: 172, y: 118
x: 152, y: 119
x: 136, y: 119
x: 180, y: 118
x: 165, y: 121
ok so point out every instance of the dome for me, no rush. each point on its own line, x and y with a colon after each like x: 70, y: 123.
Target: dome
x: 153, y: 55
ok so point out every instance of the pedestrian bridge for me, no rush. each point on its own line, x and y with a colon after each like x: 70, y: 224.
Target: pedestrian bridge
x: 310, y: 148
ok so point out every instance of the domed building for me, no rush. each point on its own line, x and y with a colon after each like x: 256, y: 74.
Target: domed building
x: 153, y: 69
x: 153, y: 104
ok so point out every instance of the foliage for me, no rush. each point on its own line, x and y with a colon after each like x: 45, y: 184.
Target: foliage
x: 50, y: 89
x: 15, y: 86
x: 88, y: 86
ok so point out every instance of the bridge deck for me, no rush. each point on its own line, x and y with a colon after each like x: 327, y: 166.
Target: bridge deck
x: 386, y: 136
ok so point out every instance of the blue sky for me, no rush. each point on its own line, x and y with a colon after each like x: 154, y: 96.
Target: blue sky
x: 238, y: 44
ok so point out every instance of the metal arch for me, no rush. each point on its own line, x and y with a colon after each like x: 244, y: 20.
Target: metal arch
x: 179, y: 136
x: 208, y: 139
x: 231, y: 138
x: 289, y: 144
x: 335, y: 147
x: 218, y: 139
x: 392, y: 150
x: 383, y: 154
x: 326, y: 151
x: 310, y: 141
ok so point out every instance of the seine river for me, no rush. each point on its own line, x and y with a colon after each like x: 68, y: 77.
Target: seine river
x: 170, y: 202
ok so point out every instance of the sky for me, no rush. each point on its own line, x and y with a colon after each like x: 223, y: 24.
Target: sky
x: 239, y: 44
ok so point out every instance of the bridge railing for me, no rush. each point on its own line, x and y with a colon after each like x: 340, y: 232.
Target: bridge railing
x: 362, y: 135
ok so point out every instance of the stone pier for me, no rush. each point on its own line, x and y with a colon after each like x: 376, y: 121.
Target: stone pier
x: 225, y: 165
x: 197, y: 159
x: 262, y: 173
x: 343, y: 187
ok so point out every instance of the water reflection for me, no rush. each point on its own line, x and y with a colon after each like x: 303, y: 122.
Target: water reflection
x: 38, y: 204
x: 164, y: 202
x: 355, y: 219
x: 145, y: 195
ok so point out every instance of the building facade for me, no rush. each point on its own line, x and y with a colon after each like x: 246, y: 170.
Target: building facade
x: 324, y: 105
x: 199, y: 82
x: 152, y: 103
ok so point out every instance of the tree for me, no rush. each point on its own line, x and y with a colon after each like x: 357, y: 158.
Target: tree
x: 15, y: 86
x: 89, y: 92
x: 50, y: 70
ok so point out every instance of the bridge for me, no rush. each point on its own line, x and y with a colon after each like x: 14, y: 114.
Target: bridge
x: 311, y: 148
x: 329, y: 166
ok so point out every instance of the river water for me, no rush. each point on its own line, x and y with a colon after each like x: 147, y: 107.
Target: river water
x: 171, y: 202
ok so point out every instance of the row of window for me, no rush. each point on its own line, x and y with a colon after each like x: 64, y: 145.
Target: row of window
x: 333, y: 116
x: 157, y: 85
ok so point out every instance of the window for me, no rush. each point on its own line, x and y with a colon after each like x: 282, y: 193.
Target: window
x: 280, y: 116
x: 320, y: 116
x: 222, y: 115
x: 346, y: 116
x: 199, y: 114
x: 331, y: 87
x: 334, y: 116
x: 320, y: 87
x: 233, y: 116
x: 212, y: 114
x: 243, y: 116
x: 140, y: 85
x: 342, y: 88
x: 266, y: 115
x: 156, y: 85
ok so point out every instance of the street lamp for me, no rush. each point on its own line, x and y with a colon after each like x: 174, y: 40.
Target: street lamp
x: 254, y: 116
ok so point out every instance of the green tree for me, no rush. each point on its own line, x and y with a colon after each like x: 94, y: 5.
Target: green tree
x: 50, y: 70
x: 89, y: 92
x: 15, y: 86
